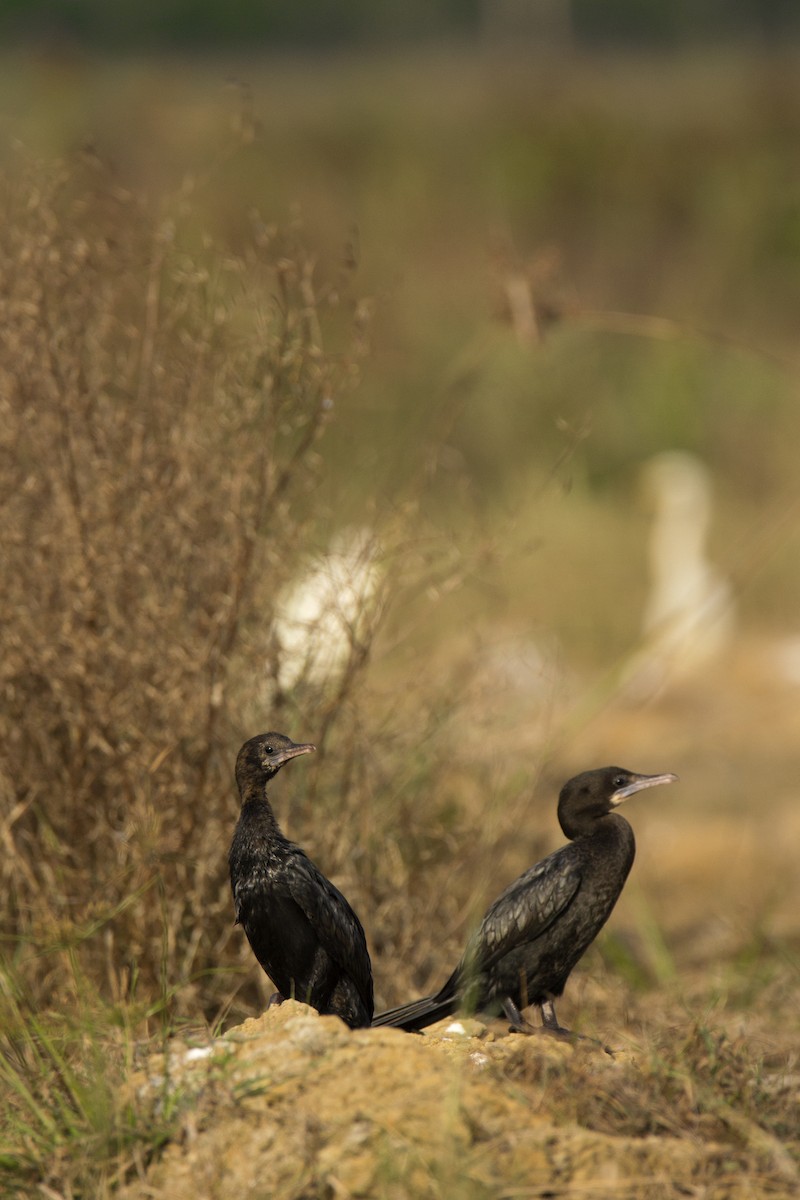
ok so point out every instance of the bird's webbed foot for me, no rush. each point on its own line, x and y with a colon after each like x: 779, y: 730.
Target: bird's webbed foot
x: 550, y: 1024
x: 518, y: 1023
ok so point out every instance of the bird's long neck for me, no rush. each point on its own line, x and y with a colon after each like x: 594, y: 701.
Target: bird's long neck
x: 610, y: 827
x: 612, y: 837
x: 256, y: 808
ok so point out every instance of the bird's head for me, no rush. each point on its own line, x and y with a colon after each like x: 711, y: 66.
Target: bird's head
x: 593, y: 794
x: 262, y: 757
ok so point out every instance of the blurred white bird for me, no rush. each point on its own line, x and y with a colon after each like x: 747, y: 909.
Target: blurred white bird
x: 689, y: 616
x: 321, y: 617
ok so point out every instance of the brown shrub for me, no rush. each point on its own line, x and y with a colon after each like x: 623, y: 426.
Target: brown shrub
x: 162, y: 406
x: 164, y: 411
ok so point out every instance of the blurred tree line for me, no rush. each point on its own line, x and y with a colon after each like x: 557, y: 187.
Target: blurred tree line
x: 198, y: 24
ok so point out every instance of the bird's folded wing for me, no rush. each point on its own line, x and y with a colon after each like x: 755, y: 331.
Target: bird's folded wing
x: 527, y: 908
x: 338, y: 928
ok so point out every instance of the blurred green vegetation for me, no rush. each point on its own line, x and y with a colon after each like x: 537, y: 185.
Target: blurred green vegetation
x: 188, y: 24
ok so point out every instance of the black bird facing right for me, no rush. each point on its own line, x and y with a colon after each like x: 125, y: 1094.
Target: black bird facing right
x: 538, y: 928
x: 302, y: 930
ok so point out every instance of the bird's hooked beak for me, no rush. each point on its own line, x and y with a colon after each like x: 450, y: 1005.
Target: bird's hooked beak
x: 638, y: 783
x: 279, y: 757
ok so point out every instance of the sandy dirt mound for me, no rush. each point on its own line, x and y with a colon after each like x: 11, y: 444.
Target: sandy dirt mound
x: 294, y: 1105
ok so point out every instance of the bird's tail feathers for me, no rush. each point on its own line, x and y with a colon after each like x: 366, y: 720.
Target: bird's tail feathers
x: 417, y: 1014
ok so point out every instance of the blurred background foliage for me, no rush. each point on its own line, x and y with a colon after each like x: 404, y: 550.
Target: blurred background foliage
x: 195, y: 24
x: 457, y: 293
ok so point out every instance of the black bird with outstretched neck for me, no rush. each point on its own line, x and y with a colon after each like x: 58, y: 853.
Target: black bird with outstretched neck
x: 537, y: 929
x: 302, y: 930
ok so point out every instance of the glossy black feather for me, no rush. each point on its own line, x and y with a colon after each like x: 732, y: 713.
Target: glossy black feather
x: 301, y: 928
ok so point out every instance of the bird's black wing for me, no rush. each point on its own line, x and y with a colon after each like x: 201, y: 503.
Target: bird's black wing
x: 526, y: 909
x: 519, y: 915
x: 338, y: 928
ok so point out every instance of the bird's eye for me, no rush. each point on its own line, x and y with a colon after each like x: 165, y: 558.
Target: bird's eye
x: 269, y: 749
x: 619, y: 781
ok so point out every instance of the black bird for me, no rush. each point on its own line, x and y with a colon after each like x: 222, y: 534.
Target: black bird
x: 533, y: 935
x: 302, y: 930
